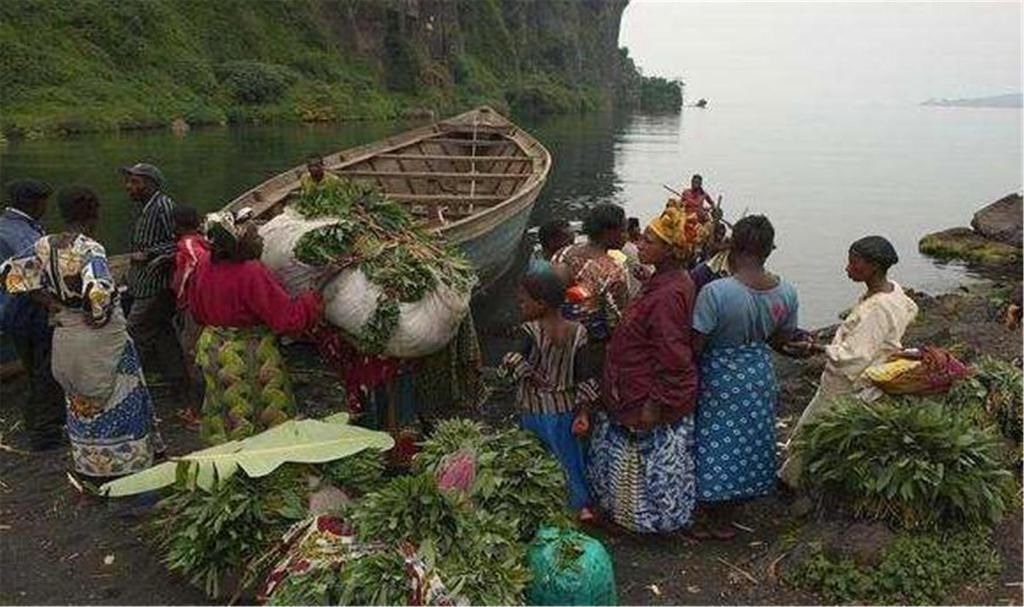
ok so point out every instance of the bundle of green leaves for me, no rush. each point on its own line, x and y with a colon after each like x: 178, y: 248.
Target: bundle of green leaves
x: 914, y: 462
x: 917, y: 569
x: 474, y: 539
x: 476, y: 551
x: 212, y: 536
x: 357, y: 474
x: 994, y: 391
x: 230, y: 531
x: 381, y: 237
x: 515, y: 475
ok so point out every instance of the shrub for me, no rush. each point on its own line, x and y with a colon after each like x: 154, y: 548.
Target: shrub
x: 995, y: 387
x: 914, y: 462
x: 660, y: 94
x: 914, y: 570
x: 539, y: 94
x: 255, y: 82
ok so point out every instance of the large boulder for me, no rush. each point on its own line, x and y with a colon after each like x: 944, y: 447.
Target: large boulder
x: 1001, y: 220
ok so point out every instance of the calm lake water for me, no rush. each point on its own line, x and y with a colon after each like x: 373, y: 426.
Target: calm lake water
x: 824, y: 175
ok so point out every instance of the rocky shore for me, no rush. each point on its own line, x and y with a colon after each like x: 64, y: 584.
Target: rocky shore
x: 992, y: 243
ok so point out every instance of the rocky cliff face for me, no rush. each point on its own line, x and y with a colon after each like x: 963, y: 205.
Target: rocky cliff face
x: 143, y: 63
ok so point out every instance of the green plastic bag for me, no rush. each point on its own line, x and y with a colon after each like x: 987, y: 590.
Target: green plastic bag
x: 569, y: 568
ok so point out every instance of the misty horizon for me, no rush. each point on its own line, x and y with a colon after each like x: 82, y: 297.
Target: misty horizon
x: 854, y: 53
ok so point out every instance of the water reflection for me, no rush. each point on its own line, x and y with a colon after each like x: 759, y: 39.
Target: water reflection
x: 204, y: 168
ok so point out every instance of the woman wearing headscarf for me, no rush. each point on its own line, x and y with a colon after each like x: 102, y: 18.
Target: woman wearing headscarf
x: 242, y: 308
x: 736, y: 319
x: 109, y: 409
x: 870, y: 334
x: 641, y: 466
x: 598, y: 291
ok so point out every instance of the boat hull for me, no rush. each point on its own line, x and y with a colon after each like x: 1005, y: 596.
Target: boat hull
x: 484, y: 171
x: 493, y: 253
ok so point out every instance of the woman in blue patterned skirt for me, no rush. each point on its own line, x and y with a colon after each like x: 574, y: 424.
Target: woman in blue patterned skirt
x: 735, y: 320
x: 641, y: 451
x: 109, y: 410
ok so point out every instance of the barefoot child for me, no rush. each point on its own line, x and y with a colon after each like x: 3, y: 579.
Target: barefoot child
x: 547, y: 369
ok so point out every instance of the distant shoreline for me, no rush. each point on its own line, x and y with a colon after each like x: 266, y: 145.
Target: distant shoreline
x: 1010, y: 101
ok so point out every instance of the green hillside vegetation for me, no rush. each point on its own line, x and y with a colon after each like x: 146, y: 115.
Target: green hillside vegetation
x: 93, y: 65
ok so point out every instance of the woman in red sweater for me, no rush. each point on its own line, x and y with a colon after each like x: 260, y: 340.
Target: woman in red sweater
x: 242, y: 308
x: 641, y: 462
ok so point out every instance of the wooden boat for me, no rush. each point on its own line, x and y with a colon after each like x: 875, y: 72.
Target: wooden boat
x: 473, y: 178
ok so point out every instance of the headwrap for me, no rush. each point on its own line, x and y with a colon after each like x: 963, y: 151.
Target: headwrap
x: 682, y: 230
x: 876, y: 250
x: 221, y: 231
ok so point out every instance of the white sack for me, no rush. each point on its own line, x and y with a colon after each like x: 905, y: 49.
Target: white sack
x: 350, y: 299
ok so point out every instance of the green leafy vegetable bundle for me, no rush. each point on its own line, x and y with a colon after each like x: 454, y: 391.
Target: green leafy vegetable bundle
x: 915, y: 462
x: 473, y: 537
x: 226, y: 532
x: 994, y: 389
x: 380, y: 237
x: 515, y: 476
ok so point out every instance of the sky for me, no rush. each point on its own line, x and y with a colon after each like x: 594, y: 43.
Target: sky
x: 858, y: 52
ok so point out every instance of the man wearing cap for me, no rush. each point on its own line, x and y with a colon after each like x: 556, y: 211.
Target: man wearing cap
x: 149, y: 278
x: 25, y: 321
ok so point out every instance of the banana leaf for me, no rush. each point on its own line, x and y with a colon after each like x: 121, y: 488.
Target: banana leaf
x: 307, y: 441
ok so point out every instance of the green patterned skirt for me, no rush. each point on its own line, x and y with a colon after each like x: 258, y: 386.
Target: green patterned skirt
x: 247, y: 385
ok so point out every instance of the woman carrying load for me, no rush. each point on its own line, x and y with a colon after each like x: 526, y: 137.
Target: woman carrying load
x: 736, y: 319
x: 869, y: 335
x: 109, y: 410
x: 241, y: 307
x: 598, y: 289
x: 641, y: 466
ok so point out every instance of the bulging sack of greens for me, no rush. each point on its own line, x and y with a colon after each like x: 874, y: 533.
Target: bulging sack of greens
x: 401, y: 291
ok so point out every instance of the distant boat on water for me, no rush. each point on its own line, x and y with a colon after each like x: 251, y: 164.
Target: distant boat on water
x: 701, y: 103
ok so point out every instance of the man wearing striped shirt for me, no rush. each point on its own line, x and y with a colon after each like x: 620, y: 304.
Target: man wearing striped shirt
x: 149, y: 278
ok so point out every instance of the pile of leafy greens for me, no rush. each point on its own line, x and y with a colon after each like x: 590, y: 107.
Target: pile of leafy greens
x: 918, y: 463
x: 380, y: 237
x: 225, y: 534
x: 474, y: 538
x: 225, y: 508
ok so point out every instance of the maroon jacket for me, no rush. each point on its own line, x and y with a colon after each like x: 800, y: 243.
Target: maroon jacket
x: 650, y: 356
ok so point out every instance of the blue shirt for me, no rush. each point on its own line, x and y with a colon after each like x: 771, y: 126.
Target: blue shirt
x: 732, y: 314
x: 19, y: 315
x: 18, y: 232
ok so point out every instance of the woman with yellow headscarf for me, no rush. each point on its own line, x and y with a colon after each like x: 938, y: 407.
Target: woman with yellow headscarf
x: 641, y: 463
